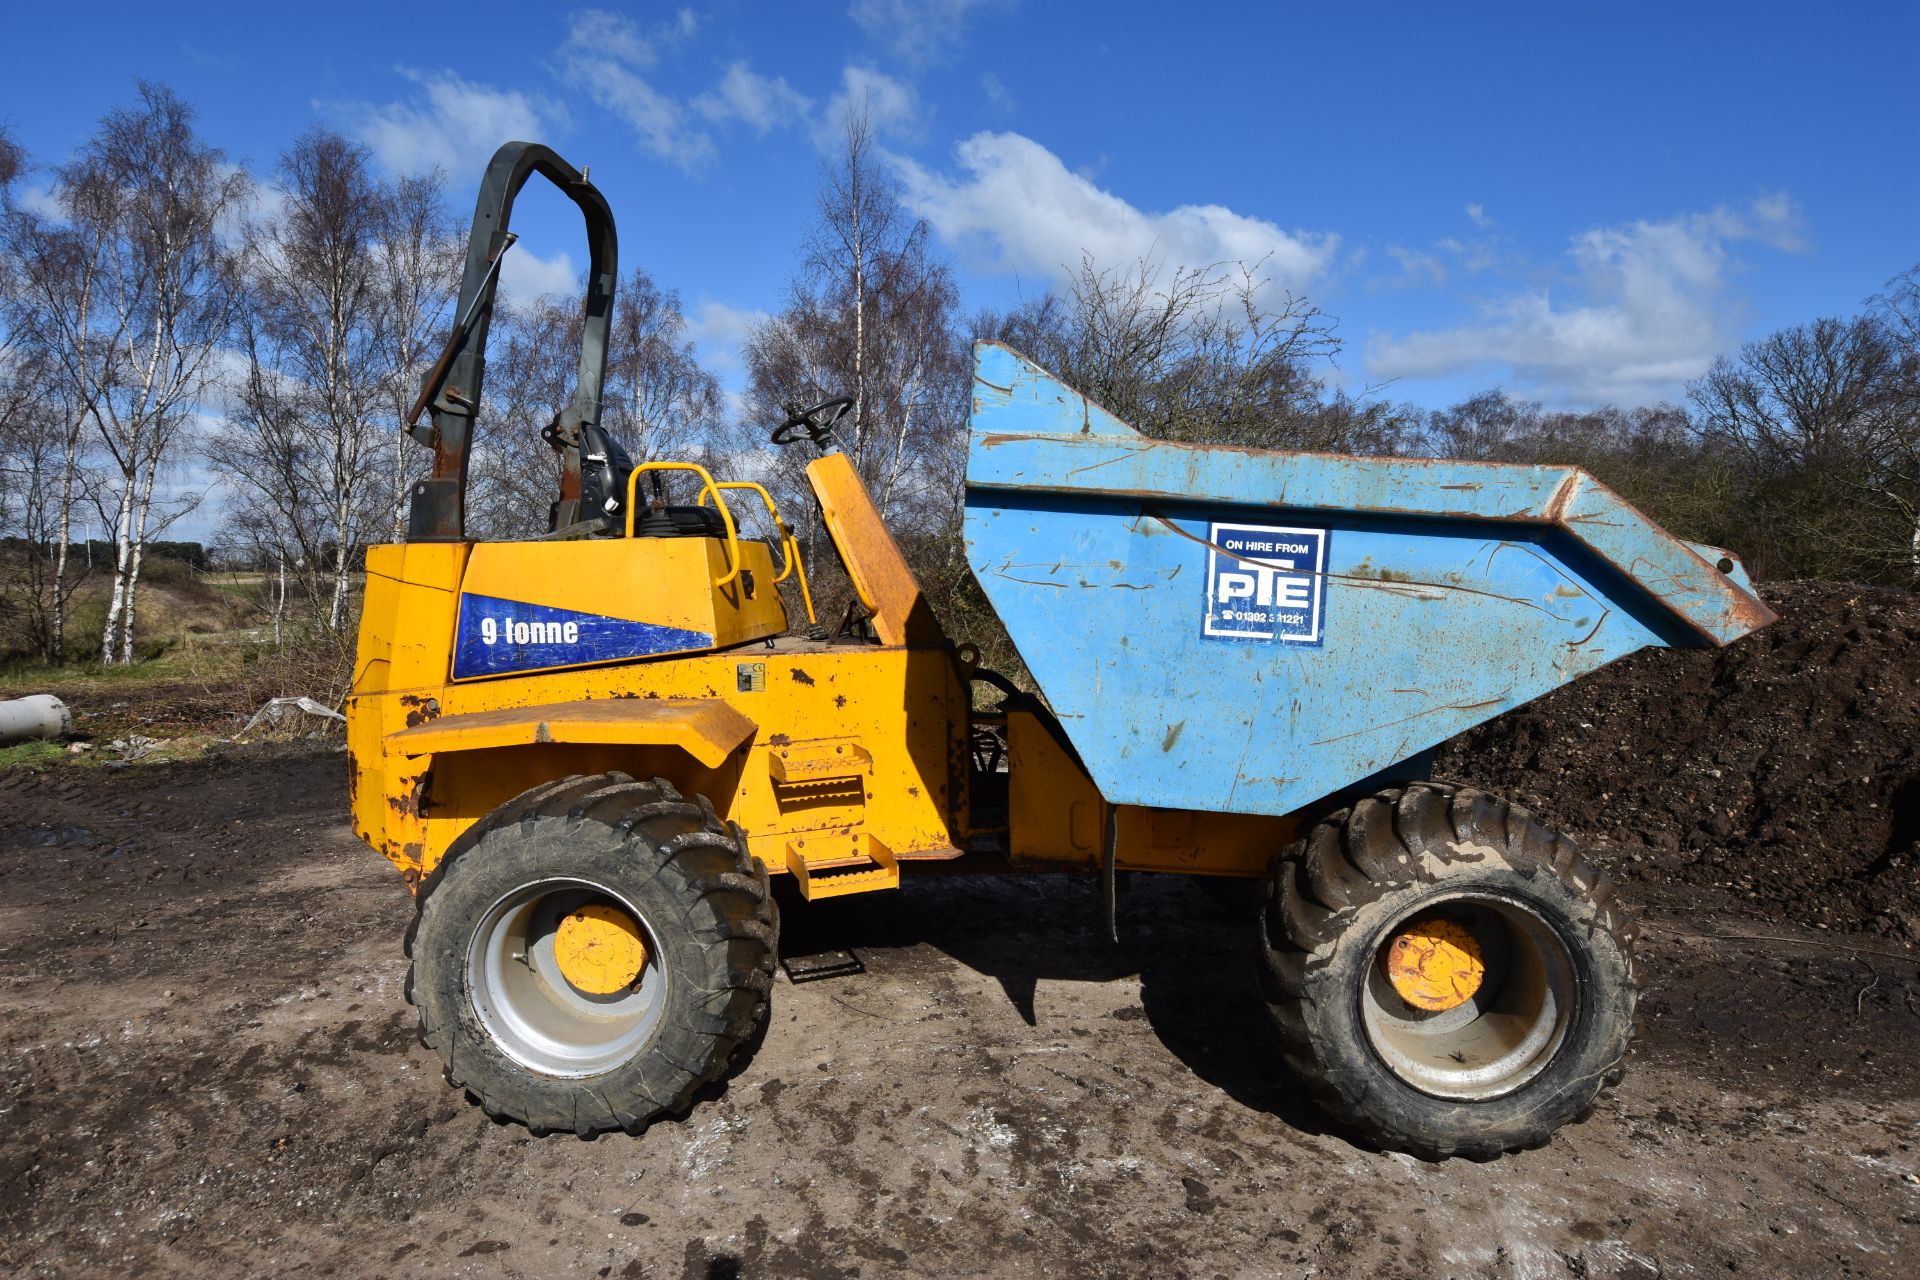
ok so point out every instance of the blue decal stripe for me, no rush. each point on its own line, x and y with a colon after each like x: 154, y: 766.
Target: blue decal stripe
x: 500, y: 637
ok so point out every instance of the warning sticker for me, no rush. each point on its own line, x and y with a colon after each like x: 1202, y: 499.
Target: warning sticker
x: 1265, y: 582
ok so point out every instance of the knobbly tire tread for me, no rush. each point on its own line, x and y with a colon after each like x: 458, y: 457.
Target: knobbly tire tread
x: 1396, y: 844
x: 651, y: 841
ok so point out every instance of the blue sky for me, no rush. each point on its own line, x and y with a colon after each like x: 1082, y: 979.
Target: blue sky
x: 1578, y: 202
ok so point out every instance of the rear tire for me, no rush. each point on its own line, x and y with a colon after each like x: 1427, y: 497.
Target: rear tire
x: 1551, y: 1012
x: 514, y: 1030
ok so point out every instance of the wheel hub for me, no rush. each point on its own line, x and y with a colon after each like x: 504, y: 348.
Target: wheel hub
x: 1434, y: 963
x: 566, y: 977
x: 599, y: 949
x: 1470, y: 997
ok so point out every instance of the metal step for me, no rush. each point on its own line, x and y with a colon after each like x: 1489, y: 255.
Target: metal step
x: 832, y: 866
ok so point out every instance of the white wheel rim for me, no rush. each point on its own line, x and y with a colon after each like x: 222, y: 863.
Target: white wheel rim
x: 528, y: 1008
x: 1501, y: 1037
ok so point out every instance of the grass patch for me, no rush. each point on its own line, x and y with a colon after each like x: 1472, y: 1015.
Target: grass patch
x: 40, y: 677
x: 37, y: 754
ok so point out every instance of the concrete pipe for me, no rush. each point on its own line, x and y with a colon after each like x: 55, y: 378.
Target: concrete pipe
x: 39, y: 716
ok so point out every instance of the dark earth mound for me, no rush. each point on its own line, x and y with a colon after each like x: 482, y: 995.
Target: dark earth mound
x: 1783, y: 770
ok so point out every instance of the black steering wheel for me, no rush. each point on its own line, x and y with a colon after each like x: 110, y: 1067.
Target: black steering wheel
x: 815, y: 424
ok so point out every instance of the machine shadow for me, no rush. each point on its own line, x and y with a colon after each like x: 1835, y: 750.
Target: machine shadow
x: 1190, y: 949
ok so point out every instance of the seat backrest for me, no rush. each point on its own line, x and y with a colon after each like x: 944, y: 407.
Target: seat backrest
x: 880, y: 574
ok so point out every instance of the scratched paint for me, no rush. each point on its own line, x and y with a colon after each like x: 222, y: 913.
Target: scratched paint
x: 1032, y: 434
x: 1452, y: 592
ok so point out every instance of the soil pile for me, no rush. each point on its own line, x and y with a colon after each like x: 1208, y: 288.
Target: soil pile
x: 1784, y: 770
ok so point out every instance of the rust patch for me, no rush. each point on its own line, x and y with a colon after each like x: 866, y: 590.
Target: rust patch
x: 800, y: 674
x: 1173, y: 735
x: 839, y: 699
x: 1563, y: 495
x: 420, y: 708
x: 408, y: 803
x: 779, y: 740
x: 542, y: 733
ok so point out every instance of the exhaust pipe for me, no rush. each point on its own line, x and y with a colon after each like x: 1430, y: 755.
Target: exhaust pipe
x: 40, y: 716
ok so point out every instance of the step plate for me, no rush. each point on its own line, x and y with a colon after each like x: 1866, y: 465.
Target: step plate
x: 855, y: 864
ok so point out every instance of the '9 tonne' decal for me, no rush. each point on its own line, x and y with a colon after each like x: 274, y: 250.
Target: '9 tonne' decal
x: 493, y: 630
x: 503, y: 637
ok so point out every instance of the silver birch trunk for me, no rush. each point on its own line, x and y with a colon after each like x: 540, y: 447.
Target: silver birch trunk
x: 59, y: 645
x: 122, y: 554
x: 900, y: 440
x: 141, y: 511
x: 337, y: 612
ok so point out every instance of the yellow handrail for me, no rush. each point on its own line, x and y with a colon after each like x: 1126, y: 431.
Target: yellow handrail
x: 713, y: 487
x: 789, y: 546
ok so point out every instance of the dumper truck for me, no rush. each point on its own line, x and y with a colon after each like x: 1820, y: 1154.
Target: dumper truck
x: 591, y: 754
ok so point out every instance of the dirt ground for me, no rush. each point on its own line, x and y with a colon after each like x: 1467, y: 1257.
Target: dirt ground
x: 209, y: 1069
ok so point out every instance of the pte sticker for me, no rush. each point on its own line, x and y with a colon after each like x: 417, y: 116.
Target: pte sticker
x: 1265, y: 583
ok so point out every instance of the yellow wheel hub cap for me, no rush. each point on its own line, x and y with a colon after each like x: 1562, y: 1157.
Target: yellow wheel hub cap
x: 599, y: 949
x: 1435, y: 964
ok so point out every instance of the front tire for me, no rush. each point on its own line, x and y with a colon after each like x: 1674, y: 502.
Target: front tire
x: 1523, y: 1011
x: 591, y: 955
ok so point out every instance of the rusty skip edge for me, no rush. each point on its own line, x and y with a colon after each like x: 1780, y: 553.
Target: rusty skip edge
x: 1032, y: 433
x: 1717, y: 605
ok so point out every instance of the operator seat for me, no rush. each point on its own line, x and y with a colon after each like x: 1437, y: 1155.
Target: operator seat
x: 605, y: 472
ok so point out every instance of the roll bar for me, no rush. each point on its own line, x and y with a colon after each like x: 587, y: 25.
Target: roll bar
x: 451, y: 389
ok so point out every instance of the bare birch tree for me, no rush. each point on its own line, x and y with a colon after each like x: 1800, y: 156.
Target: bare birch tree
x: 143, y: 208
x: 1898, y: 312
x: 319, y: 338
x: 658, y: 401
x: 51, y: 273
x: 1816, y: 415
x: 418, y: 256
x: 1211, y: 354
x: 872, y: 314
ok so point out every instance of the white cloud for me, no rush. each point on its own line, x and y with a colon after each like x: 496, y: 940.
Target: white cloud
x: 918, y: 32
x: 721, y: 331
x: 612, y: 59
x: 453, y: 123
x: 1652, y: 311
x: 1477, y: 214
x: 716, y: 323
x: 1477, y: 255
x: 1432, y: 267
x: 604, y: 54
x: 41, y: 201
x: 1017, y: 208
x: 1416, y: 268
x: 891, y: 106
x: 525, y: 276
x: 685, y: 23
x: 754, y: 100
x: 999, y: 97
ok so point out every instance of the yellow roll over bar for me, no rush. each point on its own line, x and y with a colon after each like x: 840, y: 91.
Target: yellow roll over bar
x: 789, y: 545
x: 712, y: 486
